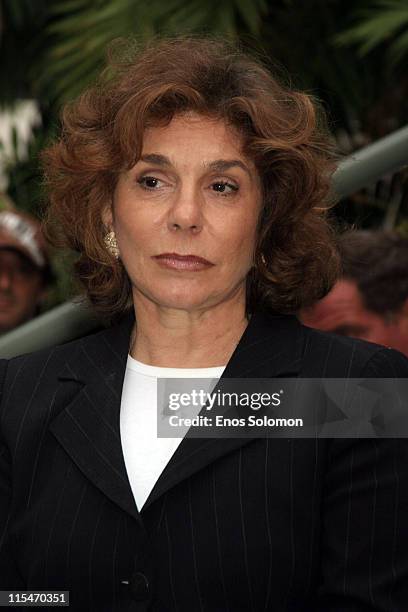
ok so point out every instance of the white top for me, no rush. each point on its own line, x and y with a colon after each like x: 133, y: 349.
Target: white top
x: 144, y: 453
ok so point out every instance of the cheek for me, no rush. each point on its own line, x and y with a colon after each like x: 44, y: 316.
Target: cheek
x: 129, y: 215
x: 392, y: 335
x: 379, y: 332
x: 27, y: 291
x: 241, y: 238
x: 133, y: 240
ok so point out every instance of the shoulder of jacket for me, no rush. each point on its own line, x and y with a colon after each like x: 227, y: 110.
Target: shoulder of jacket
x: 345, y: 356
x: 33, y: 363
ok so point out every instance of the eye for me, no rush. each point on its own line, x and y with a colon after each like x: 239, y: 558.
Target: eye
x: 148, y: 182
x: 224, y: 188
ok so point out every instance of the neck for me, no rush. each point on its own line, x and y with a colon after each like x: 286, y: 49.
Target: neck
x: 176, y: 338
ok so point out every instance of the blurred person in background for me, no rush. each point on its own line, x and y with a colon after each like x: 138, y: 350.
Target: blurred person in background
x: 24, y: 269
x: 370, y: 301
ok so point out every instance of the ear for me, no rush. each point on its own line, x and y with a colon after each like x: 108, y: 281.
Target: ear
x: 42, y: 296
x: 106, y: 216
x: 403, y: 316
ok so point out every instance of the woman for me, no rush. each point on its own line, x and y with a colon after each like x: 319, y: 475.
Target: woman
x: 194, y: 187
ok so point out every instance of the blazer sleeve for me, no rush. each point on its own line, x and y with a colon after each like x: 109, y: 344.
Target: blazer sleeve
x: 10, y: 578
x: 364, y: 561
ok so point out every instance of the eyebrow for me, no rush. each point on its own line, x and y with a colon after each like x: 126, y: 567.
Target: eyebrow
x: 219, y: 165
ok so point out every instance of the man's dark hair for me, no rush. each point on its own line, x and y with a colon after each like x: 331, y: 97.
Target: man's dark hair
x: 377, y: 261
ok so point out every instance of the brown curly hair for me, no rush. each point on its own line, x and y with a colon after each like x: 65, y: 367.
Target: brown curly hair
x: 284, y: 133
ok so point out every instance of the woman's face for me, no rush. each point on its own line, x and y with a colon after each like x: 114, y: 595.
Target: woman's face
x: 191, y: 193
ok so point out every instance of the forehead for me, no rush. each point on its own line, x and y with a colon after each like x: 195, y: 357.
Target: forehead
x: 199, y: 132
x: 13, y: 255
x: 344, y: 296
x: 342, y: 303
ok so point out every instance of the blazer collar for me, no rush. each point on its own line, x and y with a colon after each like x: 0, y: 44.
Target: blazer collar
x: 88, y: 427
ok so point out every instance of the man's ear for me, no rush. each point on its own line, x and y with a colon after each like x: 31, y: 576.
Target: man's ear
x: 403, y: 316
x: 42, y: 296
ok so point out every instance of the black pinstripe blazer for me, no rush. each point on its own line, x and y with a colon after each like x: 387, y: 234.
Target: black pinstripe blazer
x: 231, y: 524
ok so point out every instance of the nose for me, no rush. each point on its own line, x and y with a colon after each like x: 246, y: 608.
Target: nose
x: 186, y: 211
x: 6, y: 279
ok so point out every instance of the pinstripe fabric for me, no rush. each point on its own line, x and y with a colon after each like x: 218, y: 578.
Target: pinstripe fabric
x: 231, y: 525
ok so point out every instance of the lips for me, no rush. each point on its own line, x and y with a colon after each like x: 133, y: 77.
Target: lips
x: 176, y: 261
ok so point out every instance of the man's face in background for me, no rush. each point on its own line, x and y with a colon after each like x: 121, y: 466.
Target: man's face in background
x: 21, y: 289
x: 343, y: 312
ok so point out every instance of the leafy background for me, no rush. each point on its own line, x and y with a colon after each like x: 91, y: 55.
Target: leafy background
x: 352, y: 56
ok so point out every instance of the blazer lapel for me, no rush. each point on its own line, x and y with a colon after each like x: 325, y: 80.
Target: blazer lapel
x: 89, y: 425
x: 272, y: 345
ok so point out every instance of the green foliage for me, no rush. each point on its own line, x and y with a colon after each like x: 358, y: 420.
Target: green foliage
x: 21, y: 26
x: 385, y: 22
x: 79, y: 32
x: 64, y: 287
x: 25, y: 182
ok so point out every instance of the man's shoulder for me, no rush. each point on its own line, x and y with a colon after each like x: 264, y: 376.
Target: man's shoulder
x: 331, y: 355
x: 49, y: 361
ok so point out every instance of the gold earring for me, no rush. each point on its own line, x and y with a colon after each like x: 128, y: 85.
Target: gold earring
x: 111, y: 244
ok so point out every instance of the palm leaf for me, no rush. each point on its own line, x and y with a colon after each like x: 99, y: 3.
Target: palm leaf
x: 20, y: 13
x: 387, y: 19
x: 251, y: 13
x: 80, y: 31
x: 399, y: 48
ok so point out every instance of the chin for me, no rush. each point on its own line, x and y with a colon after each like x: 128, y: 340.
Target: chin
x: 182, y: 296
x: 182, y: 302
